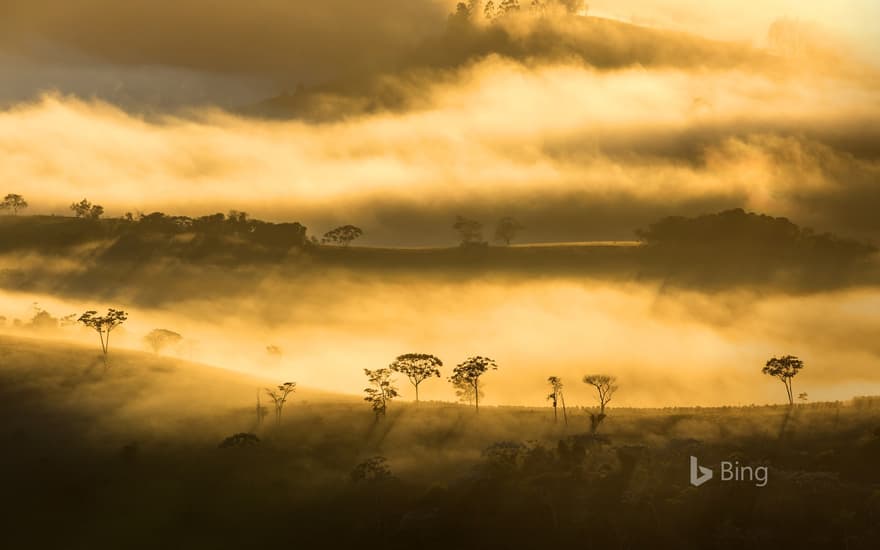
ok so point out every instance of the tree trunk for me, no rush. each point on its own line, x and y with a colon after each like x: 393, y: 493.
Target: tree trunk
x: 101, y: 337
x: 564, y: 415
x: 417, y: 393
x: 477, y: 395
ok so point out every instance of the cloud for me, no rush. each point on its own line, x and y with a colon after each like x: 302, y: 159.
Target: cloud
x: 299, y: 38
x: 347, y: 55
x: 577, y: 153
x: 693, y: 348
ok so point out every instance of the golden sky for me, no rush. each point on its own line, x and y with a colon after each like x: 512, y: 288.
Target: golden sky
x: 403, y: 119
x: 394, y: 117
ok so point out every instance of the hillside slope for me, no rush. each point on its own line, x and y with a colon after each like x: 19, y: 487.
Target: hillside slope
x: 49, y: 387
x: 129, y: 458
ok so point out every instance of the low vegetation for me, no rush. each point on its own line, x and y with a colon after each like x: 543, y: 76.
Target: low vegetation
x: 436, y: 476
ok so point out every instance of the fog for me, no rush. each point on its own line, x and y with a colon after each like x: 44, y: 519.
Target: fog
x: 392, y: 116
x: 546, y: 144
x: 668, y: 348
x: 395, y: 117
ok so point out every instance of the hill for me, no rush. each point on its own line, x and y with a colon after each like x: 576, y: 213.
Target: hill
x: 221, y: 255
x: 130, y: 458
x: 65, y: 390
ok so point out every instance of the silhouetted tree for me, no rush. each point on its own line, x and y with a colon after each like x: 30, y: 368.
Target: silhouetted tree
x: 489, y: 12
x: 573, y: 6
x: 261, y: 411
x: 605, y: 387
x: 471, y: 231
x: 507, y: 229
x: 160, y: 338
x: 237, y: 217
x: 279, y: 397
x: 13, y: 202
x: 68, y: 320
x: 503, y: 457
x: 380, y: 391
x: 464, y: 391
x: 85, y: 209
x: 417, y: 367
x: 240, y: 224
x: 343, y: 235
x: 469, y: 373
x: 243, y: 439
x: 557, y: 398
x: 42, y: 319
x: 103, y: 325
x: 372, y: 470
x: 785, y: 368
x: 461, y: 15
x: 803, y: 397
x: 508, y: 6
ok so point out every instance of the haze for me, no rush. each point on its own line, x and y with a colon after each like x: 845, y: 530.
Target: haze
x: 395, y: 117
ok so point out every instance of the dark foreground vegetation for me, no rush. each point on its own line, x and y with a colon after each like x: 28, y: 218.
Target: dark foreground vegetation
x: 157, y: 453
x: 715, y: 251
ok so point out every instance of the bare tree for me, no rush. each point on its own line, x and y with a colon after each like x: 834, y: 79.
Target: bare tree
x: 784, y: 368
x: 380, y: 391
x: 557, y: 398
x: 279, y: 397
x: 160, y: 338
x: 13, y: 202
x: 103, y: 325
x: 417, y: 367
x: 507, y: 229
x: 605, y: 387
x: 469, y: 373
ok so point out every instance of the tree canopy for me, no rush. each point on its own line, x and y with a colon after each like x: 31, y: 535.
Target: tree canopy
x: 160, y: 338
x: 605, y: 387
x: 279, y: 396
x: 468, y: 373
x: 13, y: 202
x: 85, y: 209
x: 739, y: 233
x: 784, y: 368
x: 380, y: 391
x: 507, y: 229
x: 417, y: 367
x: 470, y: 231
x: 103, y: 325
x: 342, y: 235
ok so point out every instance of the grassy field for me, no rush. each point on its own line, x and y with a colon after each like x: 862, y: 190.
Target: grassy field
x: 129, y: 457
